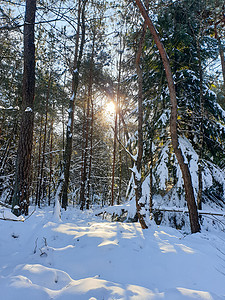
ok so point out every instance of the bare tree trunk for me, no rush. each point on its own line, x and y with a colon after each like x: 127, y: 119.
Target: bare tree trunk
x: 119, y: 151
x: 37, y: 201
x: 222, y: 60
x: 120, y: 166
x: 63, y: 130
x: 50, y: 163
x: 84, y: 169
x: 75, y: 82
x: 90, y: 159
x: 151, y: 179
x: 63, y: 119
x: 117, y: 111
x: 20, y: 203
x: 32, y: 173
x: 114, y: 158
x: 193, y: 213
x: 140, y: 202
x: 221, y: 52
x: 44, y: 143
x: 7, y: 148
x: 83, y: 145
x: 89, y: 102
x: 201, y: 137
x: 126, y: 134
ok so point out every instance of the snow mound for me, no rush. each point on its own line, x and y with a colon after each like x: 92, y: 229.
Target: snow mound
x: 83, y: 257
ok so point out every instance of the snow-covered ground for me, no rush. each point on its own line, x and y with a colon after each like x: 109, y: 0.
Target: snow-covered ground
x: 84, y: 257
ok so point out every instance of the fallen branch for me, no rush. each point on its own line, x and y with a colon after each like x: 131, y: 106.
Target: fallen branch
x: 4, y: 204
x: 14, y: 220
x: 167, y: 209
x: 200, y: 212
x: 126, y: 150
x: 30, y: 214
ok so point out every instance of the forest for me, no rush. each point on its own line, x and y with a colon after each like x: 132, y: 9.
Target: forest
x: 112, y: 149
x: 100, y: 107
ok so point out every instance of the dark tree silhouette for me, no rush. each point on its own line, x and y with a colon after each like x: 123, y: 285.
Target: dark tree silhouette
x: 20, y: 202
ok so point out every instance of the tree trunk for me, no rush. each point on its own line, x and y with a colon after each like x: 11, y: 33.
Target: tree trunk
x: 37, y: 201
x: 41, y: 190
x: 5, y: 154
x: 140, y: 202
x: 126, y: 134
x: 63, y: 131
x: 117, y: 111
x: 63, y: 119
x: 50, y: 163
x: 20, y: 202
x: 83, y: 145
x: 201, y: 136
x: 221, y: 52
x: 84, y: 169
x: 91, y: 153
x: 222, y: 60
x: 151, y: 180
x: 193, y: 213
x: 89, y: 102
x: 120, y: 166
x: 114, y: 158
x: 75, y: 82
x: 119, y: 151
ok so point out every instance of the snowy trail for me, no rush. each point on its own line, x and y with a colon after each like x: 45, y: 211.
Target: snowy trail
x: 83, y: 257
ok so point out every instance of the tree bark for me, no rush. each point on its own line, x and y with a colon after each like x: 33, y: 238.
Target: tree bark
x: 50, y: 163
x: 151, y: 180
x: 140, y: 202
x: 83, y: 144
x: 5, y: 154
x: 221, y: 52
x: 222, y: 60
x: 75, y: 82
x: 90, y: 158
x: 120, y: 165
x: 117, y: 111
x: 114, y: 158
x: 120, y: 153
x: 37, y: 201
x: 41, y: 189
x: 201, y: 136
x: 89, y: 102
x: 193, y: 213
x: 20, y: 202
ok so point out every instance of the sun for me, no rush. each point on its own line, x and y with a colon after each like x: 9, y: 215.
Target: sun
x: 110, y: 107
